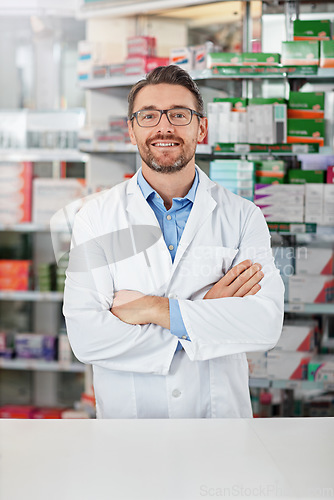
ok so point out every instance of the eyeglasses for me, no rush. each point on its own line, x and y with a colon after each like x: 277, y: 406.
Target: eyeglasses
x: 176, y: 116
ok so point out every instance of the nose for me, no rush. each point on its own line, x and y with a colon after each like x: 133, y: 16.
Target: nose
x: 164, y: 125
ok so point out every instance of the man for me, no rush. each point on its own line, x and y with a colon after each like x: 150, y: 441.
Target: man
x: 151, y: 298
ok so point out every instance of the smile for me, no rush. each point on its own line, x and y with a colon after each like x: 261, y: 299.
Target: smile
x: 164, y: 144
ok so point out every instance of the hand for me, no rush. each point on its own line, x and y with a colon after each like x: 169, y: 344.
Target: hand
x: 240, y: 281
x: 135, y: 308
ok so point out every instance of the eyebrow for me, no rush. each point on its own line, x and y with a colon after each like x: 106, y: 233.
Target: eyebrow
x: 173, y: 106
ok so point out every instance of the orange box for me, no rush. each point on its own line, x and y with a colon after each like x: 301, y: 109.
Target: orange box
x: 14, y: 274
x: 16, y: 411
x: 47, y: 413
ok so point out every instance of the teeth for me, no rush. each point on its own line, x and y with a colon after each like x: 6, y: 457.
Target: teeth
x: 162, y: 144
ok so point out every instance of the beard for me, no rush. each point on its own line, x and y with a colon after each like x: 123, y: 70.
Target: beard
x: 164, y: 164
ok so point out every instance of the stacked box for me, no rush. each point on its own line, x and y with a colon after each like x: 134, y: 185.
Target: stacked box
x: 47, y: 413
x: 92, y: 54
x: 306, y: 131
x: 235, y: 175
x: 297, y: 336
x: 257, y: 364
x: 267, y: 123
x: 285, y: 263
x: 16, y: 411
x: 315, y: 261
x: 194, y: 57
x: 327, y: 54
x: 266, y: 100
x: 298, y: 176
x: 142, y: 46
x: 321, y: 369
x: 260, y: 59
x: 15, y: 192
x: 314, y: 202
x: 328, y: 205
x: 312, y: 29
x: 51, y: 195
x: 35, y: 346
x: 143, y: 64
x: 306, y: 105
x: 309, y: 289
x: 14, y: 274
x: 301, y: 53
x: 280, y: 202
x: 227, y: 119
x: 270, y: 172
x: 284, y: 365
x: 330, y: 175
x: 224, y: 59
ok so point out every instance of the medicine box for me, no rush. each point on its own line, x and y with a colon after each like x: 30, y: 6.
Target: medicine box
x: 14, y: 274
x: 327, y: 54
x: 266, y: 100
x: 298, y: 176
x: 285, y: 365
x: 182, y: 57
x: 224, y: 59
x: 330, y: 175
x: 306, y: 131
x: 15, y: 192
x: 321, y: 369
x: 260, y: 59
x: 312, y: 29
x: 311, y: 289
x: 314, y: 202
x: 297, y: 337
x: 270, y: 168
x: 301, y: 53
x: 257, y: 364
x: 237, y: 103
x: 141, y: 46
x: 328, y: 205
x: 306, y: 105
x: 314, y: 260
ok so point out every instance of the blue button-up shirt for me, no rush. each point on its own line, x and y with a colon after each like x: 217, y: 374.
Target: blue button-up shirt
x: 172, y: 223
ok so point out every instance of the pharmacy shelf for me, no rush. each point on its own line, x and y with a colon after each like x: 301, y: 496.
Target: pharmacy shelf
x: 40, y: 365
x: 309, y: 308
x: 25, y: 227
x: 306, y: 385
x: 37, y: 155
x: 31, y: 296
x: 206, y: 74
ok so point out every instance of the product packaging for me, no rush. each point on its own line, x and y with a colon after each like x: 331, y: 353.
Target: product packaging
x: 306, y: 131
x: 257, y: 364
x: 224, y: 59
x: 14, y: 274
x: 139, y: 65
x: 141, y: 46
x: 267, y: 123
x: 15, y: 192
x: 330, y: 175
x: 321, y: 369
x: 16, y: 411
x: 48, y: 413
x: 306, y: 105
x: 285, y: 365
x: 309, y: 289
x: 312, y: 260
x: 280, y: 202
x: 285, y: 263
x: 182, y: 57
x: 270, y: 168
x: 297, y: 337
x: 314, y: 202
x: 302, y: 53
x: 328, y: 206
x: 327, y: 54
x: 266, y: 100
x: 260, y: 59
x: 298, y: 176
x: 312, y: 29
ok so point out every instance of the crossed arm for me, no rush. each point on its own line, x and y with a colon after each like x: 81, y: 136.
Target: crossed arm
x: 135, y: 308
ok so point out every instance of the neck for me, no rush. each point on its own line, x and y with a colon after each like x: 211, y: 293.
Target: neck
x: 171, y: 185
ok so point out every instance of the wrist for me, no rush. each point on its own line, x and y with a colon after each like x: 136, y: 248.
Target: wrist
x: 159, y: 311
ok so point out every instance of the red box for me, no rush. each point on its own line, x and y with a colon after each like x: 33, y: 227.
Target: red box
x: 48, y: 413
x: 16, y: 411
x: 14, y: 274
x: 142, y: 46
x: 141, y: 64
x: 330, y: 174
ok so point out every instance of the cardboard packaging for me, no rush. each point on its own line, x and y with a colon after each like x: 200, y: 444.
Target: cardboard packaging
x: 297, y: 176
x: 257, y: 364
x: 14, y: 274
x: 297, y: 337
x: 330, y: 175
x: 223, y: 59
x: 301, y: 53
x: 315, y: 261
x: 309, y: 289
x: 267, y: 123
x: 285, y: 365
x: 306, y: 105
x: 260, y: 59
x: 15, y: 192
x: 16, y: 411
x: 314, y: 202
x: 139, y: 65
x: 327, y: 54
x: 328, y: 205
x: 270, y: 168
x: 142, y: 46
x: 238, y: 104
x: 306, y: 131
x: 285, y: 263
x: 47, y: 413
x: 266, y: 100
x: 321, y: 369
x: 35, y: 346
x: 280, y: 202
x: 312, y: 29
x: 182, y: 57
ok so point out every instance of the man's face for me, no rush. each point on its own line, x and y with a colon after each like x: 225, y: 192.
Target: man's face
x: 167, y: 148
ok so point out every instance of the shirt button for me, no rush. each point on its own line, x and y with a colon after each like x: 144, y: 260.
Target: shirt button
x: 184, y: 337
x: 171, y: 247
x: 168, y: 217
x: 176, y: 393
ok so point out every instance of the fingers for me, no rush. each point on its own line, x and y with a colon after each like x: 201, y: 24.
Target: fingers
x: 252, y: 275
x: 233, y: 273
x: 254, y: 290
x: 249, y: 285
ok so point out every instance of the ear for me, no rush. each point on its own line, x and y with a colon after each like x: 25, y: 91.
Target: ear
x: 131, y: 132
x: 202, y: 129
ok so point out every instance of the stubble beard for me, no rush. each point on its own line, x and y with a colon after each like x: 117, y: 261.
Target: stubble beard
x: 179, y: 164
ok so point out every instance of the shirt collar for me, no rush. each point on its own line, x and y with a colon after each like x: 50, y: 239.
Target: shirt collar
x: 147, y: 190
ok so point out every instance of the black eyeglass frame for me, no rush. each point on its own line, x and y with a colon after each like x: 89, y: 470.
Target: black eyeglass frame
x: 164, y: 112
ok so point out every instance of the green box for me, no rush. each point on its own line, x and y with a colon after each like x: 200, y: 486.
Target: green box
x: 260, y: 59
x: 237, y: 103
x: 223, y: 59
x: 327, y: 54
x: 303, y: 53
x: 275, y: 166
x: 312, y: 30
x: 297, y: 176
x: 300, y: 130
x: 269, y: 180
x: 266, y: 100
x: 307, y: 101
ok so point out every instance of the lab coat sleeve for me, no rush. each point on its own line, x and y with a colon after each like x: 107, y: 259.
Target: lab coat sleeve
x: 97, y: 336
x: 232, y: 325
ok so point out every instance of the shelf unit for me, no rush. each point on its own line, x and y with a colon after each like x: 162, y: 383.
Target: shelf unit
x: 40, y: 365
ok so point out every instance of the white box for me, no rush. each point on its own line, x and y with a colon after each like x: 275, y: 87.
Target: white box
x: 328, y: 206
x: 314, y: 260
x: 50, y: 195
x: 296, y: 337
x: 321, y: 369
x: 314, y: 200
x: 280, y: 123
x: 257, y: 364
x: 284, y: 365
x: 224, y: 112
x: 213, y: 122
x: 182, y: 57
x: 311, y: 289
x: 261, y: 128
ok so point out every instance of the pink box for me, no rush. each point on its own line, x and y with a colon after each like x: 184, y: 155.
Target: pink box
x: 142, y: 64
x: 142, y: 46
x: 330, y: 175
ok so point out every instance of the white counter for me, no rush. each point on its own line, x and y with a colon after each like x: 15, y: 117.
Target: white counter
x: 166, y: 459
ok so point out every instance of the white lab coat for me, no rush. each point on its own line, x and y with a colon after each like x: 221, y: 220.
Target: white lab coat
x: 137, y: 373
